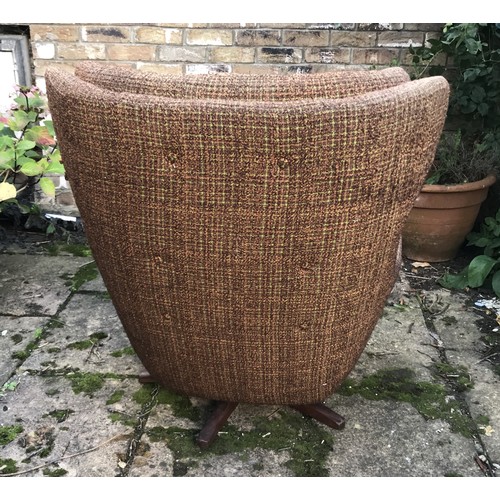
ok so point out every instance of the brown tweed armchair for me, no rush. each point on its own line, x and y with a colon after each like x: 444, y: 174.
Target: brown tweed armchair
x: 246, y: 226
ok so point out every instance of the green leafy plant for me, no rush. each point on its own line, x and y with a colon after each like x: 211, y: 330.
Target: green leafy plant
x: 28, y: 149
x: 483, y: 267
x: 472, y: 55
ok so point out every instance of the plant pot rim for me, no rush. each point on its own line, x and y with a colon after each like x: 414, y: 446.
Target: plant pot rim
x: 456, y: 188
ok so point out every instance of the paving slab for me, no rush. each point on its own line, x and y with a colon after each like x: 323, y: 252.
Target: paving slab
x: 89, y: 337
x: 386, y: 438
x: 33, y: 285
x: 58, y: 424
x: 462, y: 329
x: 400, y: 339
x: 15, y: 337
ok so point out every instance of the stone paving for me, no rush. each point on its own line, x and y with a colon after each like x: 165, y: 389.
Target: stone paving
x: 423, y: 400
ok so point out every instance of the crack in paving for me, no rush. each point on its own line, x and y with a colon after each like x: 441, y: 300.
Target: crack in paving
x: 139, y: 429
x: 485, y: 465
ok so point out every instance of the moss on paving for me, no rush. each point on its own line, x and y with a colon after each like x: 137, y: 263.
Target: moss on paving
x: 87, y: 272
x: 54, y: 323
x: 181, y: 405
x: 45, y: 452
x: 126, y: 351
x: 60, y: 415
x: 7, y: 466
x: 432, y: 401
x: 457, y: 375
x: 54, y: 472
x: 483, y: 420
x: 93, y: 339
x: 88, y: 383
x: 16, y: 338
x: 449, y: 320
x: 123, y: 418
x: 38, y: 334
x: 8, y: 433
x: 115, y: 397
x: 26, y: 352
x: 307, y: 443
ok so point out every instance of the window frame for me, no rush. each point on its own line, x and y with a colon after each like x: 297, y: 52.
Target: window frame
x: 18, y: 45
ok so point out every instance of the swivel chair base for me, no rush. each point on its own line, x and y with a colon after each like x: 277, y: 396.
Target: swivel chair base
x: 223, y: 410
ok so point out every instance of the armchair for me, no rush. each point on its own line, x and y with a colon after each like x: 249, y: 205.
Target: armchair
x: 247, y: 226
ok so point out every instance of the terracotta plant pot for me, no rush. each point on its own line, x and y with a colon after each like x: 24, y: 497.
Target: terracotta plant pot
x: 441, y: 218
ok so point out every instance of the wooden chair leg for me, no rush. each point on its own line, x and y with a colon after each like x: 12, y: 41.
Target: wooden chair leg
x: 223, y: 410
x: 322, y: 413
x: 145, y: 378
x: 215, y: 422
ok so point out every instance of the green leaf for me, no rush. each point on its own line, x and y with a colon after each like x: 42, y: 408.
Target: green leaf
x: 47, y: 186
x: 21, y: 100
x: 19, y: 120
x: 483, y: 109
x: 31, y: 168
x: 6, y: 142
x: 472, y: 46
x: 453, y: 281
x: 24, y: 209
x: 32, y: 154
x: 40, y: 135
x: 36, y: 102
x: 481, y: 242
x: 32, y: 116
x: 6, y: 131
x: 25, y: 145
x: 470, y: 74
x: 495, y: 283
x: 470, y: 107
x: 55, y: 168
x: 495, y: 243
x: 7, y: 158
x: 21, y: 160
x: 479, y: 268
x: 50, y: 127
x: 478, y: 94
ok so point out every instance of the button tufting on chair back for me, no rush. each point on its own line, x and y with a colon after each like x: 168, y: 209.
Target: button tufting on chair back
x: 246, y: 226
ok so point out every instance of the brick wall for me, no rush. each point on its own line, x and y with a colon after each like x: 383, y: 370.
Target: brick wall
x: 238, y: 48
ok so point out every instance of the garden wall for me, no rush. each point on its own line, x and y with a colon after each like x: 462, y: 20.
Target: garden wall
x: 238, y: 48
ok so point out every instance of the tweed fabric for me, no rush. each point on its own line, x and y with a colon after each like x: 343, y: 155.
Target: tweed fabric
x: 248, y: 245
x: 265, y: 87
